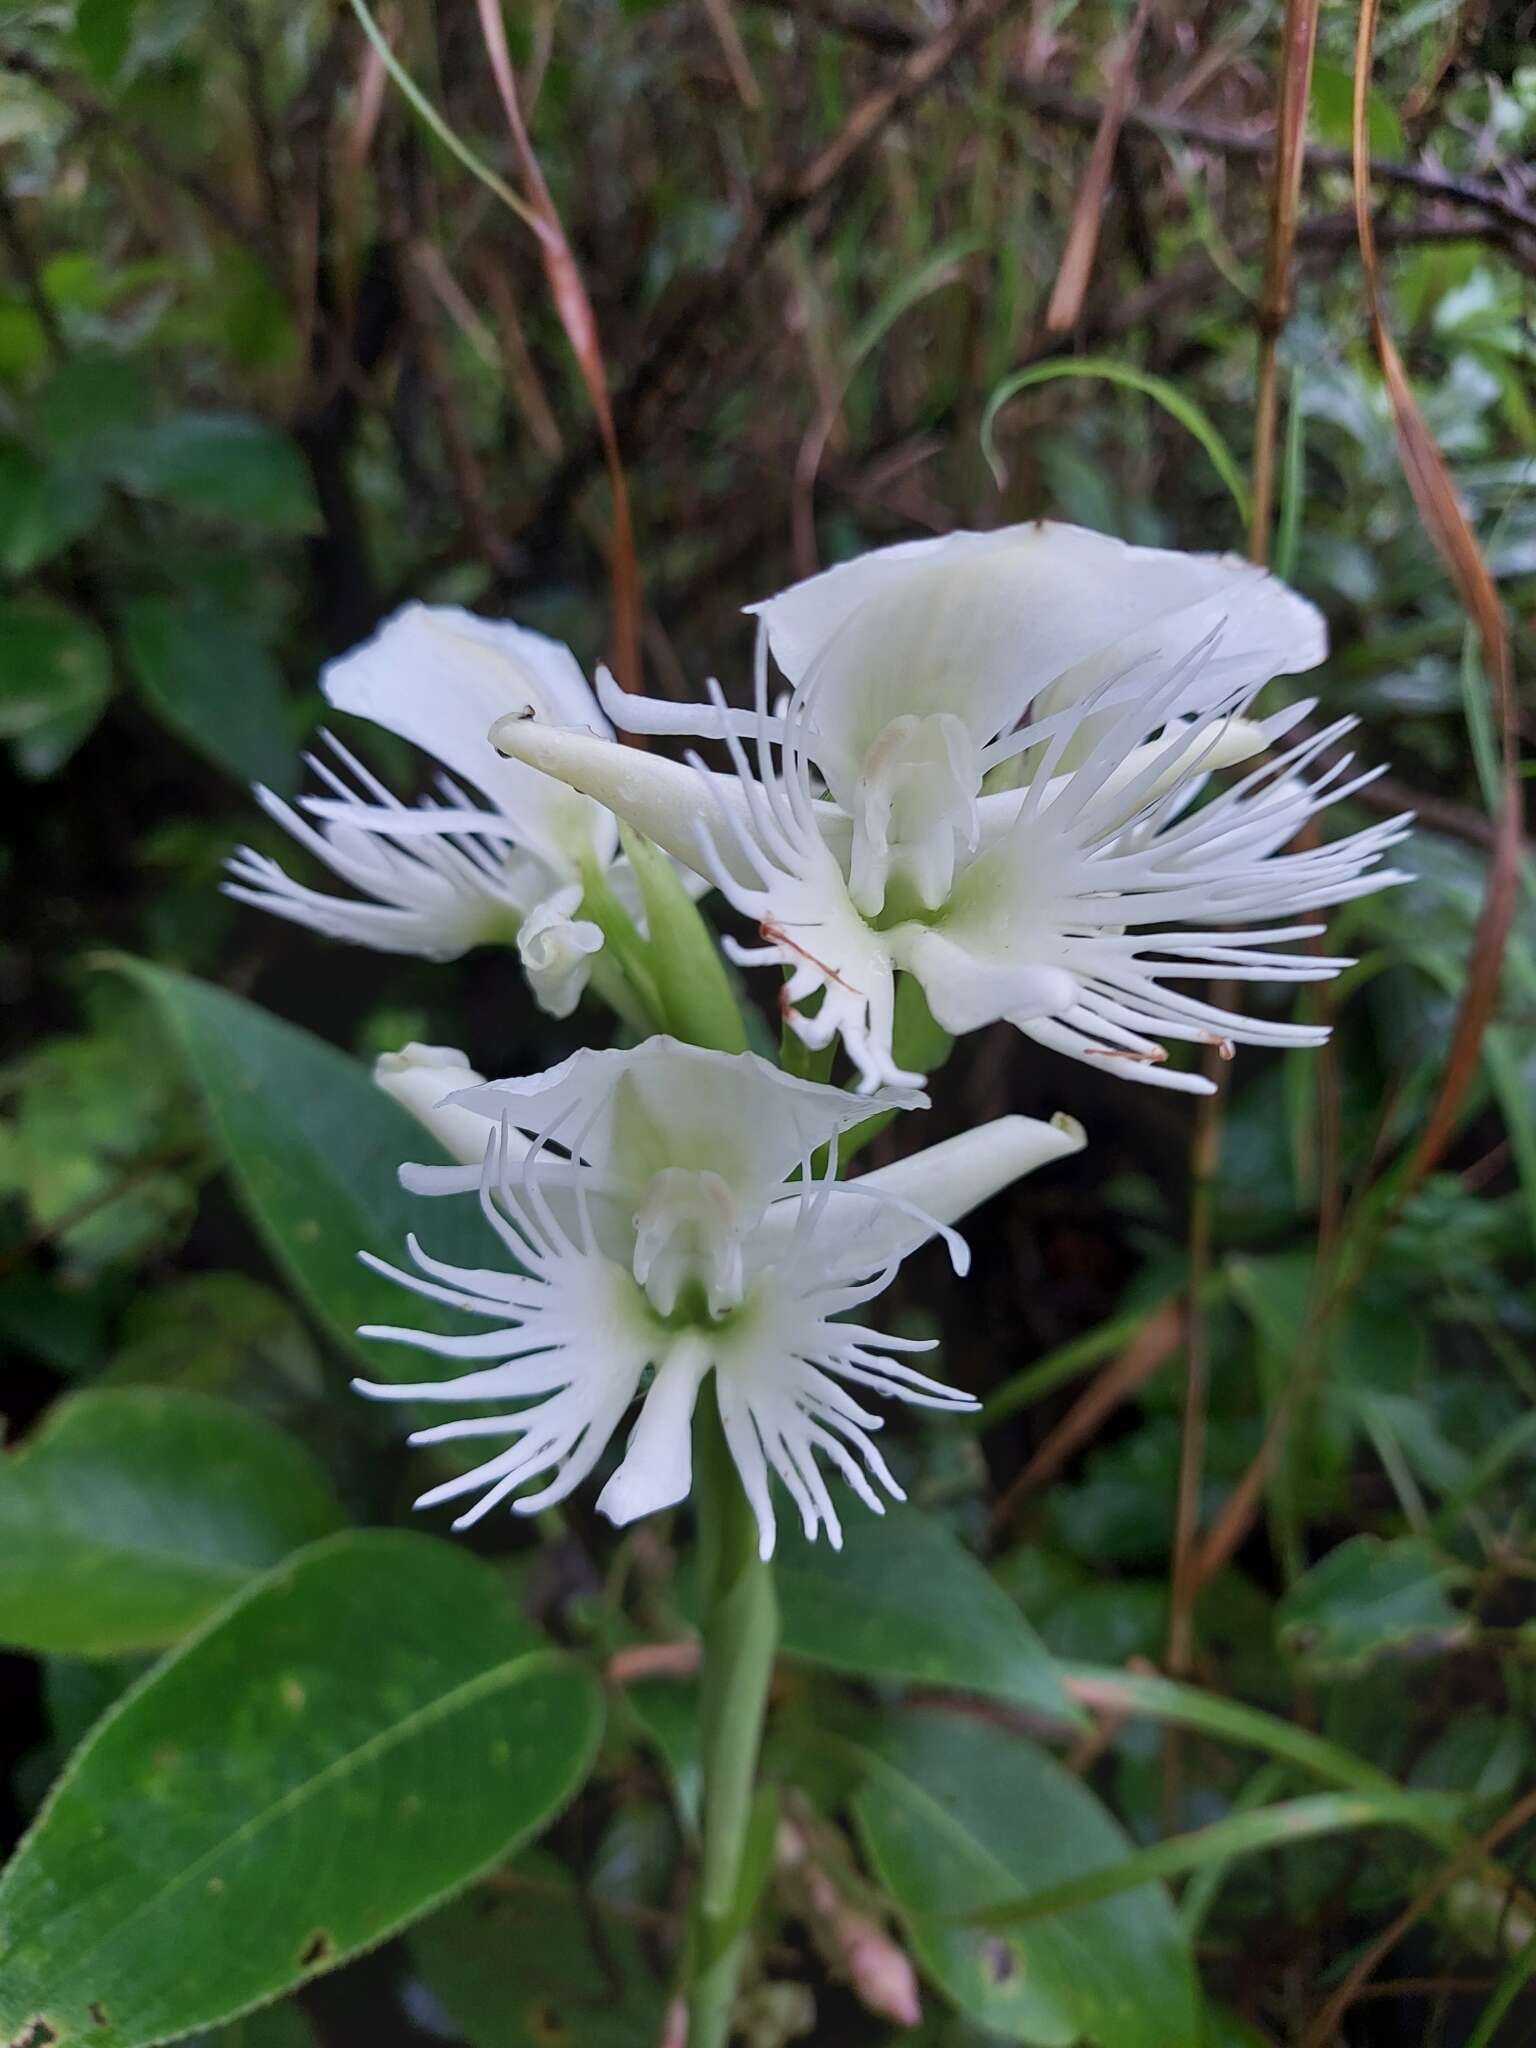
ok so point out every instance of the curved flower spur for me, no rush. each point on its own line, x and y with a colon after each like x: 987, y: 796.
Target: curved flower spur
x: 645, y: 1203
x: 451, y: 872
x: 985, y: 773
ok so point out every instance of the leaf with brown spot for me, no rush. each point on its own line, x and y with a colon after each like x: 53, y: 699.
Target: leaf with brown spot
x: 143, y: 1906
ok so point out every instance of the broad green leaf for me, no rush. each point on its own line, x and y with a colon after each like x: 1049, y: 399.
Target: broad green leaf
x: 904, y: 1600
x: 958, y: 1816
x: 43, y: 507
x: 45, y: 748
x: 218, y: 1333
x: 1170, y: 397
x: 215, y: 687
x: 667, y: 1711
x: 313, y: 1149
x: 56, y: 666
x: 128, y: 1516
x: 1277, y: 1826
x: 698, y: 1004
x: 1134, y: 1694
x: 90, y: 410
x: 102, y: 1141
x: 61, y: 1317
x: 536, y: 1965
x: 104, y: 32
x: 226, y: 465
x: 1333, y: 94
x: 354, y: 1738
x: 1369, y: 1598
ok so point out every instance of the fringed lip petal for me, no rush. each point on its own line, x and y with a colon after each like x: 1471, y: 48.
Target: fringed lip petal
x: 574, y: 1326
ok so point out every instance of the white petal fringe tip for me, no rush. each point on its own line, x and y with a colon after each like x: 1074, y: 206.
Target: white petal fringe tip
x: 986, y: 774
x: 652, y: 1236
x: 496, y: 855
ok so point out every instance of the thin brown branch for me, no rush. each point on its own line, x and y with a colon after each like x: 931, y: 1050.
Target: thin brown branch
x: 683, y: 333
x: 43, y: 1234
x: 1299, y: 41
x: 1150, y: 1349
x: 1448, y: 526
x: 577, y: 317
x: 24, y: 262
x: 92, y: 113
x: 1326, y: 2024
x: 1066, y: 303
x: 1511, y: 203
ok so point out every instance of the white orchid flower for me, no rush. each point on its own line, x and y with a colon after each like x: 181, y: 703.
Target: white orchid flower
x: 983, y: 775
x: 502, y: 864
x: 641, y: 1198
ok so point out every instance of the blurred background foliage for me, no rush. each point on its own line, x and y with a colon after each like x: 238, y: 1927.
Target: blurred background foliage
x: 272, y: 360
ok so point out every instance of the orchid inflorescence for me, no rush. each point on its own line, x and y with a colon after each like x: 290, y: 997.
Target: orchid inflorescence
x: 986, y: 763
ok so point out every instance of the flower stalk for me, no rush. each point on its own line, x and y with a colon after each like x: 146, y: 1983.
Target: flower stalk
x: 740, y: 1623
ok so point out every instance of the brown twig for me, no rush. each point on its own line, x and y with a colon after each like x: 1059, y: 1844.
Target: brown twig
x: 734, y: 51
x: 1077, y: 110
x: 520, y: 371
x: 43, y: 1234
x: 94, y: 113
x: 1446, y: 522
x: 24, y: 261
x: 1151, y: 1348
x: 1324, y: 2027
x: 1067, y: 295
x: 1299, y: 41
x: 574, y: 307
x: 684, y: 331
x: 653, y: 1660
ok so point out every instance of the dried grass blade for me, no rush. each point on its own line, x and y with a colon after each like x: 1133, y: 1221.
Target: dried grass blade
x: 1072, y: 279
x: 574, y: 308
x: 1300, y: 44
x: 1446, y: 522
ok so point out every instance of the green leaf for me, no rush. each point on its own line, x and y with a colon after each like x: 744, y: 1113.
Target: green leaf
x: 104, y: 32
x: 1168, y: 396
x: 667, y: 1713
x: 1369, y: 1598
x: 1333, y: 104
x: 218, y: 1333
x: 1241, y: 1834
x: 313, y: 1149
x: 1129, y: 1693
x: 42, y: 509
x: 103, y: 1130
x: 213, y: 685
x: 698, y: 1003
x: 958, y: 1817
x: 903, y: 1600
x: 538, y: 1965
x: 279, y: 2026
x: 357, y: 1736
x: 128, y: 1516
x: 91, y: 409
x: 226, y: 465
x: 56, y: 666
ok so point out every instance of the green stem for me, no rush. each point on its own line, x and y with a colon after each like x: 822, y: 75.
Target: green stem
x: 740, y: 1618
